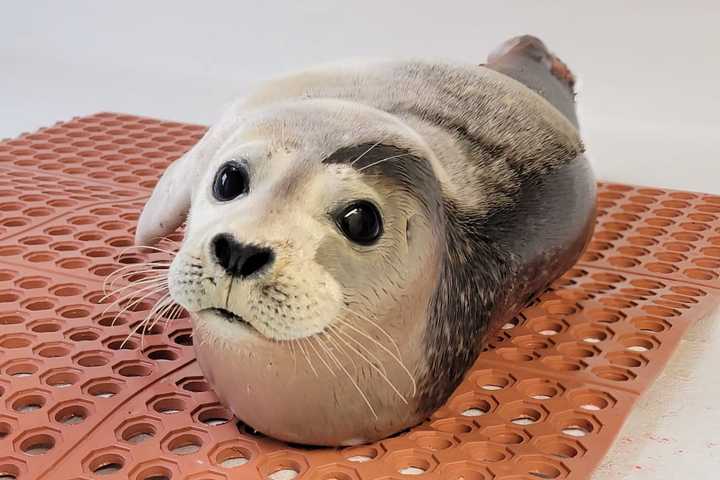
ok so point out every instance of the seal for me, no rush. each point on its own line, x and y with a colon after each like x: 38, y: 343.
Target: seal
x: 354, y: 232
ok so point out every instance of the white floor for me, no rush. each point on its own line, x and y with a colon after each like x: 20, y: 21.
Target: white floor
x: 649, y: 108
x: 674, y: 430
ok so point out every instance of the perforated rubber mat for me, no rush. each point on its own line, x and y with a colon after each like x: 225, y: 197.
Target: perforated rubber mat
x: 544, y: 400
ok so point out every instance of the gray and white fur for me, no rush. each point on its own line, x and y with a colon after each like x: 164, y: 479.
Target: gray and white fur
x: 485, y: 195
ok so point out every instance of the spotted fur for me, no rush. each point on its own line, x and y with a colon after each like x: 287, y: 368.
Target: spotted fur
x: 481, y: 175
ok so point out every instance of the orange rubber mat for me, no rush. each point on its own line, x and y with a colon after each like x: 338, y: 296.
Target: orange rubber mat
x: 544, y: 400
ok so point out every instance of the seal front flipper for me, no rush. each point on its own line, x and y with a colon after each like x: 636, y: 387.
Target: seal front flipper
x: 168, y: 205
x: 527, y: 60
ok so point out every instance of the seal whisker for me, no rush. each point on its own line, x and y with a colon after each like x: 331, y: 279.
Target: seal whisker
x: 155, y: 291
x: 164, y: 313
x: 365, y: 152
x: 357, y: 344
x: 113, y: 277
x: 374, y: 324
x: 352, y: 380
x: 167, y: 314
x: 109, y: 292
x: 174, y: 314
x: 138, y: 265
x: 378, y: 162
x: 165, y: 301
x: 145, y: 247
x: 312, y: 345
x: 386, y: 350
x: 291, y: 347
x: 365, y: 349
x: 160, y: 302
x: 138, y: 327
x: 329, y: 333
x: 143, y: 287
x: 177, y: 312
x: 307, y: 358
x: 382, y: 374
x: 144, y: 281
x: 160, y: 239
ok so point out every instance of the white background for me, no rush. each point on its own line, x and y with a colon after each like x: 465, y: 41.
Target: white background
x: 649, y: 108
x: 649, y: 95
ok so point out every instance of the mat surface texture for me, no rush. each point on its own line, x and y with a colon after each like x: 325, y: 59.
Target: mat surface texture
x: 544, y: 400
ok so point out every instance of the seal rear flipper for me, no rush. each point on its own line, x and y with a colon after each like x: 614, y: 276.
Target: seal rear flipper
x: 527, y: 60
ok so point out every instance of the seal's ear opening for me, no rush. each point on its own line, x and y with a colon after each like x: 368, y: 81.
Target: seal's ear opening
x: 168, y: 204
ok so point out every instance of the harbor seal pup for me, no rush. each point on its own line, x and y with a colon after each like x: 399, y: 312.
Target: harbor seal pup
x: 354, y: 232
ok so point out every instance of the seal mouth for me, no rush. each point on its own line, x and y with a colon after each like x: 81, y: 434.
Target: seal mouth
x: 229, y: 316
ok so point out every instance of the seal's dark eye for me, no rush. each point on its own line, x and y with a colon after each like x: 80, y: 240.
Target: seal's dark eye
x: 361, y: 222
x: 230, y: 182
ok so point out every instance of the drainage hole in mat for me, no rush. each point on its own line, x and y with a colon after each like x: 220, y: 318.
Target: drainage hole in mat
x: 615, y: 374
x: 104, y: 389
x: 577, y: 428
x: 72, y: 415
x: 412, y: 471
x: 232, y: 457
x: 162, y: 355
x: 214, y: 416
x: 591, y: 400
x: 473, y: 412
x: 475, y: 408
x: 414, y: 465
x: 84, y: 336
x: 46, y: 326
x: 108, y: 464
x: 185, y: 444
x: 543, y: 470
x: 196, y: 386
x: 169, y: 406
x: 155, y: 473
x: 138, y: 433
x: 283, y: 474
x: 92, y: 360
x: 28, y: 403
x: 560, y: 447
x: 526, y: 418
x: 361, y: 454
x: 22, y: 369
x: 135, y: 370
x: 487, y: 452
x: 184, y: 339
x: 37, y: 444
x: 492, y: 381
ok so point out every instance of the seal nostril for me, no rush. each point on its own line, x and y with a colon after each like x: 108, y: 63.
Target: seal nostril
x: 255, y: 262
x: 240, y: 259
x: 222, y: 248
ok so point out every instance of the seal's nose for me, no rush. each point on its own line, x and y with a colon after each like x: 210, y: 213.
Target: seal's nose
x: 240, y: 259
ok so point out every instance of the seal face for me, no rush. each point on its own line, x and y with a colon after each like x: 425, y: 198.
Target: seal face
x: 353, y: 233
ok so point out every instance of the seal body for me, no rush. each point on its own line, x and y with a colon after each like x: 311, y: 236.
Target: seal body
x: 470, y: 184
